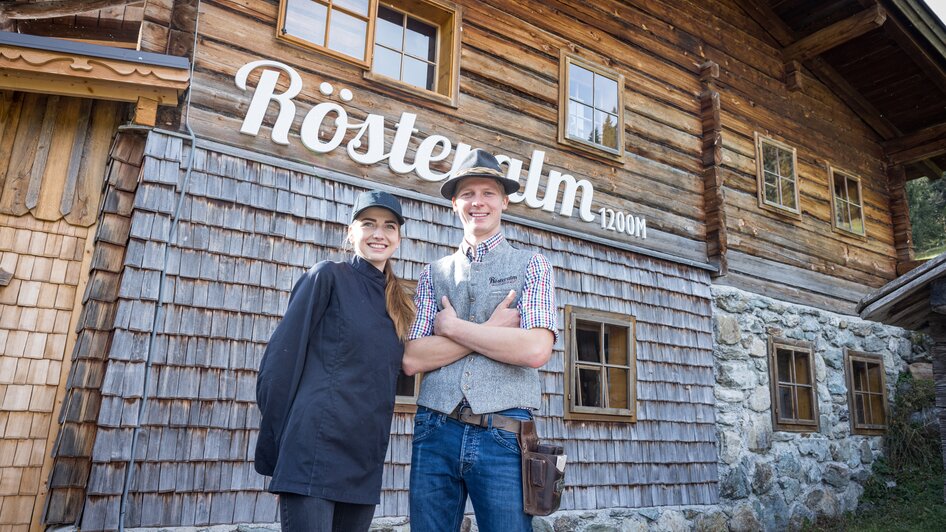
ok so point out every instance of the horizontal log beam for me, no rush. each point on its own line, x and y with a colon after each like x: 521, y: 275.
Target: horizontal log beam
x: 56, y: 8
x: 836, y: 34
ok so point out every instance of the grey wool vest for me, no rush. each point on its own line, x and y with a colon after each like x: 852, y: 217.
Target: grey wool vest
x: 474, y: 290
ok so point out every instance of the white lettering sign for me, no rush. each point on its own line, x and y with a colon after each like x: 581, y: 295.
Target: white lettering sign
x: 326, y: 125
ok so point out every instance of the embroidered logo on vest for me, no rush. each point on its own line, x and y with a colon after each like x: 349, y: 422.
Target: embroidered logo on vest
x: 504, y: 280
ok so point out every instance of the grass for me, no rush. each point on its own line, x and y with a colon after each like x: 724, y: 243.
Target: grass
x: 912, y: 468
x: 930, y: 253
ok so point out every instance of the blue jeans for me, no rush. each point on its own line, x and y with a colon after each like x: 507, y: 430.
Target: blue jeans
x: 451, y: 460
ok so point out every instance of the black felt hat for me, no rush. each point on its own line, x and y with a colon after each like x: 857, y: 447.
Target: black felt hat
x: 377, y: 198
x: 478, y: 163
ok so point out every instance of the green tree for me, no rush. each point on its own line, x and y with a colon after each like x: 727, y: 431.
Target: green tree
x: 927, y: 201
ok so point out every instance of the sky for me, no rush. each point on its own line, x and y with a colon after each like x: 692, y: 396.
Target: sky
x: 938, y: 7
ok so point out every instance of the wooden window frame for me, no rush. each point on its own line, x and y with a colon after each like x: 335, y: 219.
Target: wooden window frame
x: 834, y: 206
x: 760, y: 177
x: 599, y: 150
x: 281, y: 34
x: 850, y: 357
x: 447, y: 91
x: 788, y: 424
x: 587, y: 413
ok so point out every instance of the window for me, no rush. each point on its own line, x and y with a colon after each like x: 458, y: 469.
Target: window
x: 867, y: 392
x: 411, y: 45
x: 591, y: 107
x: 848, y: 206
x: 337, y: 27
x: 794, y: 396
x: 601, y: 371
x: 778, y: 182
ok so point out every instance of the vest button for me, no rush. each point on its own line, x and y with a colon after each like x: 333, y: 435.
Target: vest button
x: 466, y: 386
x: 471, y: 317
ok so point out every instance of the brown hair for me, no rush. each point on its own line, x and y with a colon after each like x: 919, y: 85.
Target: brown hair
x: 400, y: 305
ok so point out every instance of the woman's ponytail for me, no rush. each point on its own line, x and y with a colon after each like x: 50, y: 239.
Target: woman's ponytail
x: 399, y: 304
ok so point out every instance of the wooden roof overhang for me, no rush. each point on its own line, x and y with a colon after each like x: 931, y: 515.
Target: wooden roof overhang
x: 885, y: 58
x: 67, y: 68
x: 910, y: 300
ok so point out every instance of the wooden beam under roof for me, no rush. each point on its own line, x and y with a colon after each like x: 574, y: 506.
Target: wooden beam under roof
x: 56, y: 8
x: 763, y: 14
x: 836, y: 34
x: 917, y: 146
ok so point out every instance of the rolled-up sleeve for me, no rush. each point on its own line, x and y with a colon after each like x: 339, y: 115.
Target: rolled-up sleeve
x: 426, y: 304
x: 537, y: 305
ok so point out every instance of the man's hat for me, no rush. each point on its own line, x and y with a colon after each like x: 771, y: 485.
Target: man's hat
x: 377, y: 198
x: 478, y: 163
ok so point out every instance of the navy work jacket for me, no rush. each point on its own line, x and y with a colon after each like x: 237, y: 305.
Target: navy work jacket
x: 326, y: 386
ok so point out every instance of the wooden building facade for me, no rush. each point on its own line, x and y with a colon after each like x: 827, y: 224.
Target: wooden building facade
x: 663, y: 147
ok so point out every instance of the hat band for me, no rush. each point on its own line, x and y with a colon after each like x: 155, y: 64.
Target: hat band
x: 480, y: 170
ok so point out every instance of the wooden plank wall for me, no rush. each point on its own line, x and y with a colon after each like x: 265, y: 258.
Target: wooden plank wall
x: 248, y: 231
x: 508, y: 103
x: 803, y: 261
x: 52, y: 158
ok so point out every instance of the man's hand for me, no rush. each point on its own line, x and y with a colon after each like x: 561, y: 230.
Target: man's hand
x: 443, y: 320
x: 504, y: 315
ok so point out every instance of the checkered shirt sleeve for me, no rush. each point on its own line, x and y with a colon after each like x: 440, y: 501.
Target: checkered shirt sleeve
x: 537, y: 305
x: 426, y: 307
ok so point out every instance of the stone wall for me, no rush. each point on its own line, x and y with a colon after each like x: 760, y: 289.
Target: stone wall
x: 773, y: 479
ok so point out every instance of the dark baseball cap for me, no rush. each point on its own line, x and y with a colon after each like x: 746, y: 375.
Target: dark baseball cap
x: 377, y: 198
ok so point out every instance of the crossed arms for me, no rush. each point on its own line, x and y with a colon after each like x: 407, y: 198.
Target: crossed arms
x: 499, y: 338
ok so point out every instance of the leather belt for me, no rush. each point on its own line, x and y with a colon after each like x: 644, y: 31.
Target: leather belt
x: 463, y: 414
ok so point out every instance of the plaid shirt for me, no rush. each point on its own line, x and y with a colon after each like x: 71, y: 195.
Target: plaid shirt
x: 536, y: 306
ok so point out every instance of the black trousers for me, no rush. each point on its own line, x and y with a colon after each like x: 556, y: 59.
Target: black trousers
x: 300, y: 513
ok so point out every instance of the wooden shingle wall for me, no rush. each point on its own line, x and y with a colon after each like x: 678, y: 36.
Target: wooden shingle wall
x: 248, y: 230
x: 79, y: 415
x: 53, y: 152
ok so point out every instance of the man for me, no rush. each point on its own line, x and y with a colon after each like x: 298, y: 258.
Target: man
x: 480, y: 352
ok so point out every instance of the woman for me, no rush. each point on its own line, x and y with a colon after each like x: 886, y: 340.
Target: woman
x: 326, y: 383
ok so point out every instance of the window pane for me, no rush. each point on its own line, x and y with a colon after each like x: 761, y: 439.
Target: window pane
x: 785, y: 402
x: 386, y: 62
x: 839, y: 187
x: 806, y: 409
x: 359, y: 7
x: 580, y: 122
x: 785, y: 168
x: 606, y: 126
x: 784, y: 366
x: 615, y: 347
x: 617, y: 388
x: 606, y: 94
x: 852, y: 194
x: 306, y: 19
x: 405, y: 384
x: 580, y: 84
x: 421, y: 40
x: 875, y: 378
x: 860, y: 409
x: 769, y: 158
x: 802, y: 361
x: 347, y: 35
x: 788, y: 193
x: 418, y: 73
x: 876, y: 410
x: 857, y: 219
x: 389, y: 30
x: 860, y: 375
x: 589, y: 387
x: 588, y: 348
x: 842, y: 214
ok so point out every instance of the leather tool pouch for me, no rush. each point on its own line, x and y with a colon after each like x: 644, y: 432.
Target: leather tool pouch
x: 543, y: 472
